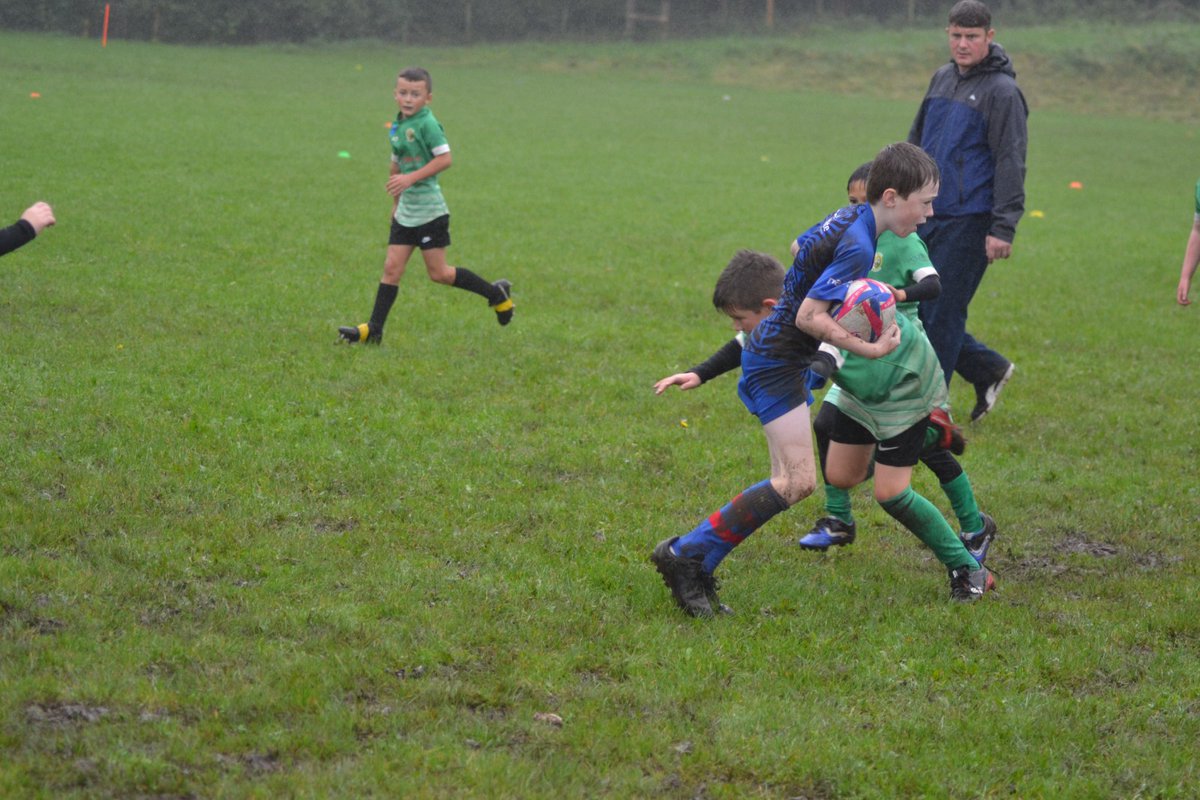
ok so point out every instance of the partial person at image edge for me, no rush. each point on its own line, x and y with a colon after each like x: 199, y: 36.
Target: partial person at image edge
x: 36, y: 218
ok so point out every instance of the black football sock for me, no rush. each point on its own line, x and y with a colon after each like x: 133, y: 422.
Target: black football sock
x: 465, y: 279
x: 384, y: 297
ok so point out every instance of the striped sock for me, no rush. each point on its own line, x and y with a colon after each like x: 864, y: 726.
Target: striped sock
x: 716, y: 536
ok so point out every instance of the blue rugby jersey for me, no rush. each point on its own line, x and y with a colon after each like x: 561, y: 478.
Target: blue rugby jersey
x: 837, y: 250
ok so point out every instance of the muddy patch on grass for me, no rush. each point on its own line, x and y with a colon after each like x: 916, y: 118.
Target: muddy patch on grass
x: 409, y: 673
x: 253, y: 763
x: 1078, y: 543
x: 334, y: 527
x: 63, y: 713
x: 41, y: 625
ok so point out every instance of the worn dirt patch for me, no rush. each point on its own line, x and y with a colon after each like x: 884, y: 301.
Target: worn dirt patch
x: 63, y: 713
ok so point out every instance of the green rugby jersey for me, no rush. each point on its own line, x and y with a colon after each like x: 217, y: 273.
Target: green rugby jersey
x: 415, y: 142
x: 876, y: 402
x: 902, y: 262
x: 1197, y: 199
x: 890, y: 394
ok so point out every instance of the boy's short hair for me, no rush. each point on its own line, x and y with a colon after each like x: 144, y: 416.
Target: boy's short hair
x: 903, y: 167
x: 750, y: 278
x: 859, y: 175
x: 971, y: 14
x: 416, y: 74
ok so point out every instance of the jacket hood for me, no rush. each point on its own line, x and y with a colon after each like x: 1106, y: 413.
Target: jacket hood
x: 995, y: 61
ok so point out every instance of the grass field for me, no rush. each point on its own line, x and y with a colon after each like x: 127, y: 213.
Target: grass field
x: 239, y: 560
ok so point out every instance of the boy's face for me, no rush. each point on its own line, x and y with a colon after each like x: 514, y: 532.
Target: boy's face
x: 909, y: 212
x: 857, y: 193
x: 745, y: 320
x: 411, y: 96
x: 969, y: 46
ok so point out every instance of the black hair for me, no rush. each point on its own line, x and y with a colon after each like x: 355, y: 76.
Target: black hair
x: 859, y: 174
x: 903, y: 167
x: 971, y: 14
x: 750, y: 278
x: 415, y: 74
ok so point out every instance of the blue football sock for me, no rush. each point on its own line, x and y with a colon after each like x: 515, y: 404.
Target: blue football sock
x: 724, y: 530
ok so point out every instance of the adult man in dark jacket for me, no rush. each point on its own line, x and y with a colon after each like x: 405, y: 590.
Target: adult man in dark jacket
x: 973, y: 122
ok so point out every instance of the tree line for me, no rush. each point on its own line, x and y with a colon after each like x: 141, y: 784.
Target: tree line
x: 466, y: 21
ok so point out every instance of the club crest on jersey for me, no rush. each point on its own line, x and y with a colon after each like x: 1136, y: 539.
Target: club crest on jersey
x: 877, y: 264
x: 410, y: 134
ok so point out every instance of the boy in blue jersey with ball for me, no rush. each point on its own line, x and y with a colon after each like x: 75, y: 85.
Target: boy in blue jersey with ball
x: 420, y: 217
x: 773, y: 386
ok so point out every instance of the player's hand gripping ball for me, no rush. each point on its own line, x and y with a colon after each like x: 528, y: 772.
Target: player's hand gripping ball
x: 868, y: 310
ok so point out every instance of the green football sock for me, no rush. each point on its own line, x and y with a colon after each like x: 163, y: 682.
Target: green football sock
x: 837, y: 503
x: 962, y: 500
x: 922, y: 518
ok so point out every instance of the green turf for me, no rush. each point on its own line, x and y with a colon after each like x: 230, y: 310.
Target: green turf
x: 238, y: 559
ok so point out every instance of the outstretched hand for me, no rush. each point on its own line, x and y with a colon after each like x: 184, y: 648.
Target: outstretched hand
x: 684, y: 380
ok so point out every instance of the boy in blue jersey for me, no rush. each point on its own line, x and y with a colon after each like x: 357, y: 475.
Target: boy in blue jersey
x: 904, y: 265
x: 420, y: 217
x: 839, y: 249
x: 747, y: 291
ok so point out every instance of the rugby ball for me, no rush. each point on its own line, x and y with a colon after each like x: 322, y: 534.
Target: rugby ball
x: 868, y: 309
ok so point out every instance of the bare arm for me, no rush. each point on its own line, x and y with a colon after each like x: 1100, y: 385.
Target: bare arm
x: 813, y: 318
x: 401, y: 181
x: 395, y: 195
x: 1191, y: 257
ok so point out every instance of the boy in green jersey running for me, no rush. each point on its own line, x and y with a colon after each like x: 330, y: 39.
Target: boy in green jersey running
x: 905, y: 266
x: 420, y: 217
